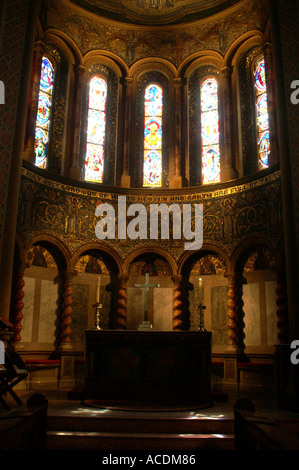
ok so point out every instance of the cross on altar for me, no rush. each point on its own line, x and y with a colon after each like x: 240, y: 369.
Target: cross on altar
x: 145, y: 325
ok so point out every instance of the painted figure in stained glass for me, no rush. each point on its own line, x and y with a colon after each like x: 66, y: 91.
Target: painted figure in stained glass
x: 210, y: 131
x: 152, y: 160
x: 43, y: 118
x: 262, y: 117
x: 96, y: 125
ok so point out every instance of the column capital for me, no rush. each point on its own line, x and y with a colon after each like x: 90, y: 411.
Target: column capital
x: 39, y: 47
x: 128, y: 82
x: 123, y: 278
x: 79, y: 70
x: 267, y: 47
x: 226, y: 71
x: 178, y: 82
x: 177, y: 279
x: 69, y: 274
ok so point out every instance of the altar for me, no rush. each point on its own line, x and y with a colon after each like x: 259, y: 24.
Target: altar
x: 148, y: 367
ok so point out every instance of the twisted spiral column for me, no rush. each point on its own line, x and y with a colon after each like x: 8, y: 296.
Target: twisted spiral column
x: 67, y: 311
x: 232, y: 314
x: 121, y: 308
x: 19, y: 305
x: 177, y: 313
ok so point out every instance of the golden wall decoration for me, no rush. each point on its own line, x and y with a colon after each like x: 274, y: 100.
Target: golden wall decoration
x: 231, y: 213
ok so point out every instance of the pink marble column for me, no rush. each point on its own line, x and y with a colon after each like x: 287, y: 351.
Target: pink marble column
x: 177, y: 315
x: 19, y: 305
x: 121, y: 309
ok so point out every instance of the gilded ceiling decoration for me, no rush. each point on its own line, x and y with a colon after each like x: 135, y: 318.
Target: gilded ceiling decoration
x: 154, y: 11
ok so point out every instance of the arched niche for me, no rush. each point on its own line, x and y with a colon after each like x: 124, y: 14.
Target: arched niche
x: 257, y: 296
x: 95, y: 281
x: 44, y: 278
x: 205, y: 282
x: 159, y: 298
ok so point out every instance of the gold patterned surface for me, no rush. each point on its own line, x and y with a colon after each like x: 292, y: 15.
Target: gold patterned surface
x: 173, y: 43
x: 64, y: 213
x: 158, y: 11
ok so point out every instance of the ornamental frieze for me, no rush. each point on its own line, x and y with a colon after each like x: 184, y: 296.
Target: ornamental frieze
x: 229, y: 214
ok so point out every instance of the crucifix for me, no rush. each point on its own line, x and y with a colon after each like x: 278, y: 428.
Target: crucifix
x: 145, y: 325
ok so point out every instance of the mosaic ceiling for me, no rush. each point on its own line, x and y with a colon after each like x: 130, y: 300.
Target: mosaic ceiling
x: 155, y: 11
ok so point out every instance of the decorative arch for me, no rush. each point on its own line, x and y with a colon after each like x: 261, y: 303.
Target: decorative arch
x: 200, y: 59
x: 241, y: 46
x: 152, y: 63
x: 150, y: 249
x: 188, y: 258
x: 69, y: 46
x: 247, y: 246
x: 108, y: 59
x: 97, y: 246
x: 53, y: 243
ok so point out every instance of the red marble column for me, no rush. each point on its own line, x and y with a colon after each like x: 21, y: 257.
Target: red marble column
x: 232, y: 315
x: 67, y: 311
x: 19, y: 305
x: 177, y: 315
x: 121, y: 309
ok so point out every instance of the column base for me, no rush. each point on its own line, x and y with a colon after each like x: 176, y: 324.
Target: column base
x: 231, y: 368
x: 228, y: 174
x: 67, y: 369
x: 125, y: 181
x: 29, y: 156
x: 176, y: 182
x: 76, y: 173
x: 145, y: 325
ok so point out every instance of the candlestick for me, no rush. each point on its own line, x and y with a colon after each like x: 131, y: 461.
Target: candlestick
x: 98, y: 291
x: 200, y: 292
x: 97, y: 308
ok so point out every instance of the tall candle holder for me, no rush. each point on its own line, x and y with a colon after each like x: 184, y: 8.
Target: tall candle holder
x: 97, y: 308
x: 201, y: 308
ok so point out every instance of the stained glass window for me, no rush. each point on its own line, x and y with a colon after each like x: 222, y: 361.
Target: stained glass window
x: 262, y: 118
x: 152, y: 157
x: 96, y: 123
x: 210, y: 131
x: 43, y: 118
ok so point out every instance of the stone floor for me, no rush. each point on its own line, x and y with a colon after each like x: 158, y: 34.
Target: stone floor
x: 58, y: 403
x: 73, y: 424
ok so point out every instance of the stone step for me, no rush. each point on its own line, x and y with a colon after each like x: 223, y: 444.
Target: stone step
x: 91, y: 440
x: 136, y: 424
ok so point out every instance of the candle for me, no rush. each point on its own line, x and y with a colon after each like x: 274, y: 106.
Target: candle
x: 98, y: 291
x: 200, y: 292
